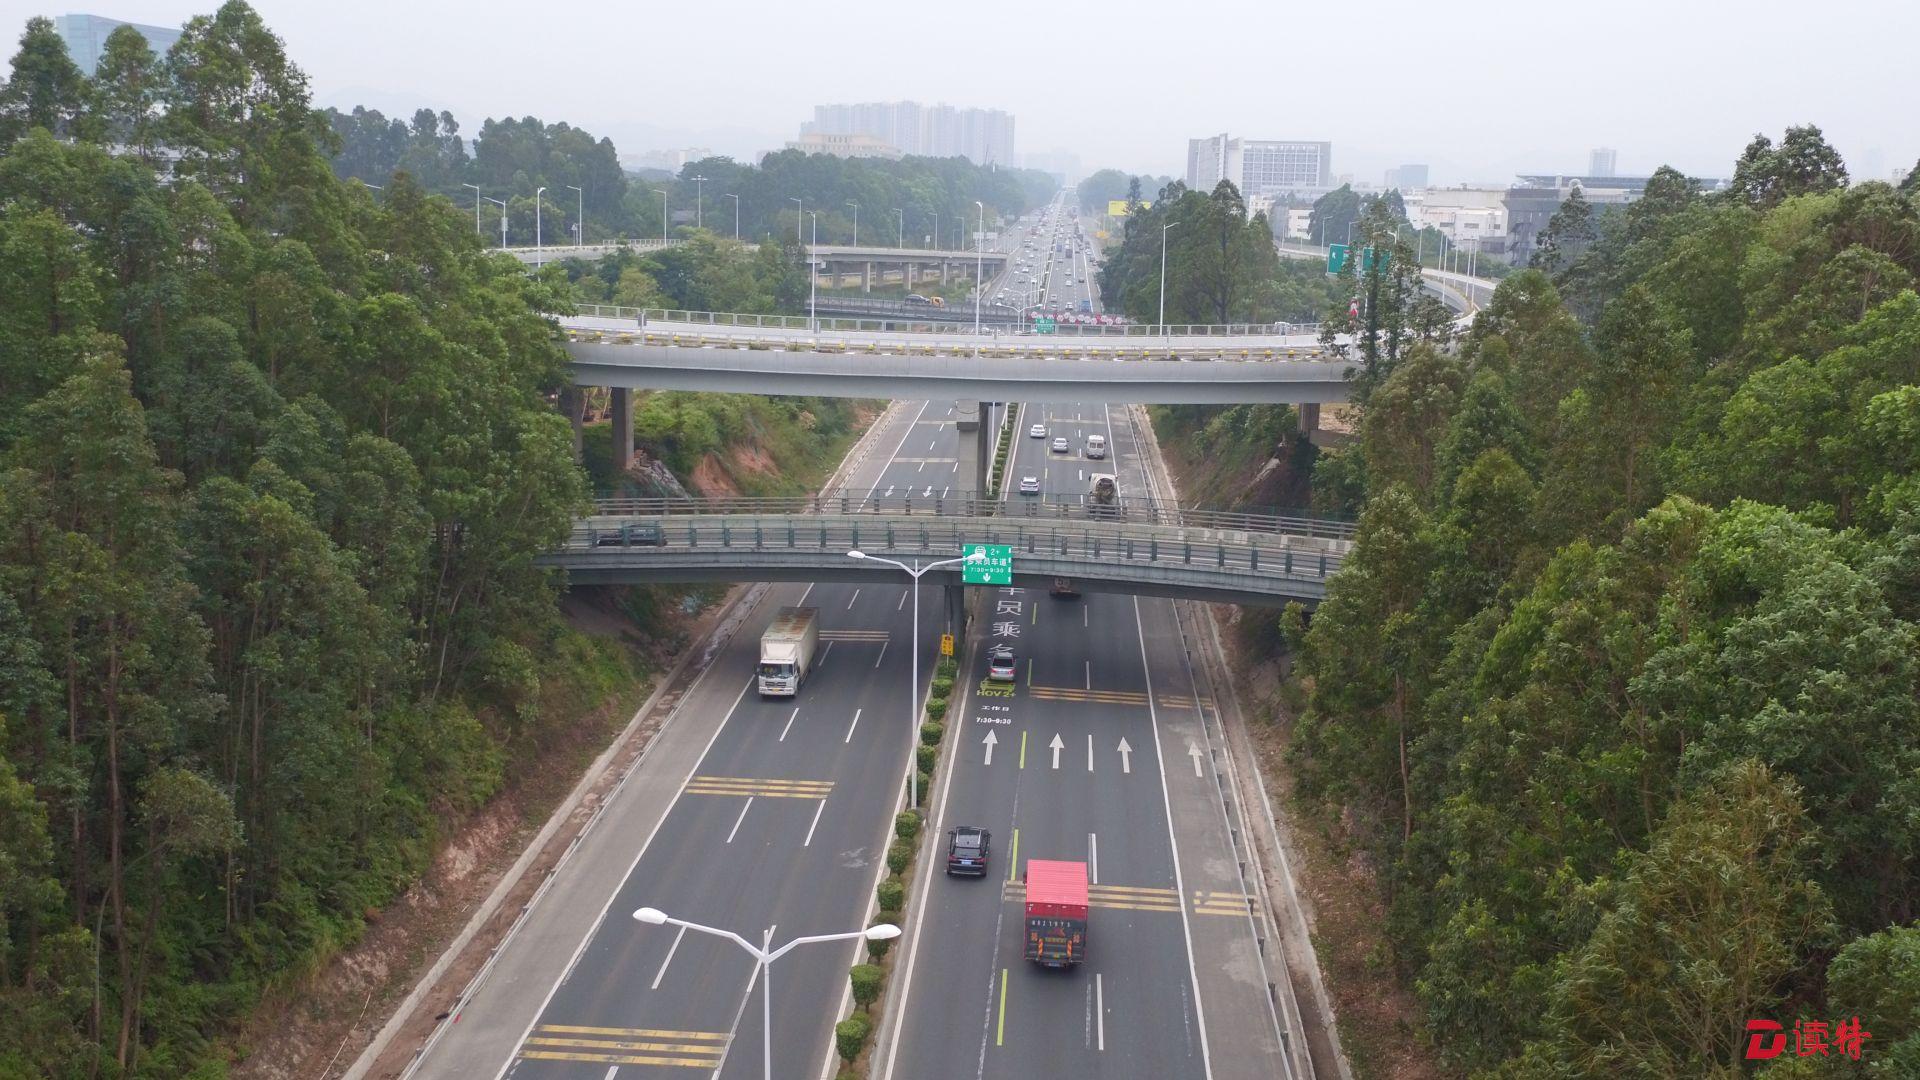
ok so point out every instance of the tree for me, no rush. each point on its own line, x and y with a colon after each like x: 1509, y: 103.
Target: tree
x: 1803, y: 164
x: 127, y: 87
x: 1332, y: 214
x: 46, y: 89
x: 1567, y: 235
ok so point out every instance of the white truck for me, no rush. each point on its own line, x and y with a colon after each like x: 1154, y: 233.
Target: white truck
x: 786, y: 651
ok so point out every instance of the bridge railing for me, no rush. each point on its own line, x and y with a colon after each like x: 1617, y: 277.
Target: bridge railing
x: 923, y: 503
x: 906, y: 324
x: 1241, y: 561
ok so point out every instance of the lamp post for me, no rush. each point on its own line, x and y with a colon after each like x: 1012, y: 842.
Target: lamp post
x: 979, y: 285
x: 699, y: 201
x: 763, y: 956
x: 856, y: 222
x: 579, y: 217
x: 501, y: 203
x: 537, y: 259
x: 662, y: 192
x: 1163, y: 276
x: 736, y: 215
x: 813, y: 274
x: 936, y: 230
x: 476, y: 205
x: 913, y: 688
x: 798, y: 216
x: 903, y: 226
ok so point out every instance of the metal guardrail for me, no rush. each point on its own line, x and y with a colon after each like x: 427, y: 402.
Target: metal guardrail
x: 1260, y: 564
x: 1000, y: 346
x: 800, y: 322
x: 874, y: 502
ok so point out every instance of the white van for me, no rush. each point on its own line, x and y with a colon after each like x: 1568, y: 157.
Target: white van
x: 1096, y: 446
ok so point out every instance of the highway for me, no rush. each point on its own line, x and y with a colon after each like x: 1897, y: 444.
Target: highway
x: 750, y: 814
x: 1091, y: 754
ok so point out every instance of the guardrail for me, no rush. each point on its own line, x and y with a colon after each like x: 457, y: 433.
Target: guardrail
x: 874, y: 502
x: 800, y: 322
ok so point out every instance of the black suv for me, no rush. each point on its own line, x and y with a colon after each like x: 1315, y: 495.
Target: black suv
x: 635, y: 534
x: 967, y: 850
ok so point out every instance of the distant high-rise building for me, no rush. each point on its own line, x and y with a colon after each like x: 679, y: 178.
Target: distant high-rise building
x: 1407, y: 178
x: 1259, y: 166
x: 86, y: 37
x: 982, y: 136
x: 847, y: 146
x: 1603, y: 161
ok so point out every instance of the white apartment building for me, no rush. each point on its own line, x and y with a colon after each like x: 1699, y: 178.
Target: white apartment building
x: 1461, y: 213
x: 1260, y: 166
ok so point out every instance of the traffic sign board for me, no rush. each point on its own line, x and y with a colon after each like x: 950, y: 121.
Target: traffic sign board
x: 1043, y: 325
x: 991, y: 564
x: 1367, y: 260
x: 946, y: 644
x: 1336, y: 258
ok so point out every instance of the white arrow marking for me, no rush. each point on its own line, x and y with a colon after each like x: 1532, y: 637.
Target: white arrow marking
x: 1194, y: 753
x: 990, y: 741
x: 1056, y: 746
x: 1126, y: 761
x: 927, y: 493
x: 889, y: 490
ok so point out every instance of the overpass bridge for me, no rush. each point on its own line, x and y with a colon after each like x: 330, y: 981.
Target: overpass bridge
x: 536, y: 256
x: 1139, y: 546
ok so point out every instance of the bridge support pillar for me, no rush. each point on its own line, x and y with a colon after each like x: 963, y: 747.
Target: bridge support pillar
x: 866, y: 278
x: 622, y: 428
x: 945, y: 269
x: 956, y: 597
x: 1309, y: 417
x: 974, y: 448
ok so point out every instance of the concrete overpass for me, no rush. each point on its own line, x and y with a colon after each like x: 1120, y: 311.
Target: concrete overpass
x: 536, y: 256
x: 1140, y: 549
x: 838, y: 263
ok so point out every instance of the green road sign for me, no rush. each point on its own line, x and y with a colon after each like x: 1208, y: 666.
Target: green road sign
x: 1367, y: 260
x: 1043, y: 326
x: 993, y: 567
x: 1336, y: 258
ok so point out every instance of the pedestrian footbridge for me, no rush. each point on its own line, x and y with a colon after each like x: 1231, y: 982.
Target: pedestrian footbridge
x: 1137, y: 546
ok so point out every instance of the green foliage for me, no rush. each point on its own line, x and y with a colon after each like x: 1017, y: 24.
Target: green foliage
x: 1221, y: 265
x: 906, y: 825
x: 891, y: 894
x: 850, y: 1036
x: 866, y: 980
x: 936, y: 710
x: 941, y: 686
x: 947, y: 668
x: 932, y: 733
x: 878, y: 949
x: 1618, y: 685
x: 900, y: 856
x: 927, y: 757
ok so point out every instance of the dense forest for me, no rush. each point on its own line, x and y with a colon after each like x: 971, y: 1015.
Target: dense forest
x: 512, y: 158
x: 1619, y: 689
x: 276, y: 454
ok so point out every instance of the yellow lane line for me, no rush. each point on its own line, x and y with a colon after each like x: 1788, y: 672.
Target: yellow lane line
x: 651, y: 1033
x: 653, y: 1047
x: 768, y: 781
x: 1023, y: 749
x: 1013, y: 860
x: 621, y: 1059
x: 1000, y: 1035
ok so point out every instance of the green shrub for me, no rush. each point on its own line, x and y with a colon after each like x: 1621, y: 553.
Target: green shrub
x: 926, y: 783
x: 866, y: 979
x: 927, y: 755
x: 850, y: 1036
x: 891, y: 893
x: 906, y: 825
x: 931, y: 733
x: 900, y: 856
x: 942, y: 686
x: 948, y: 669
x: 878, y: 949
x: 937, y: 709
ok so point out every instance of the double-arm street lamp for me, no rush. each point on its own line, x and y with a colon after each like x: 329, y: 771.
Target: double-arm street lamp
x: 856, y: 223
x: 764, y: 955
x: 476, y: 205
x: 1163, y: 275
x: 979, y: 283
x: 736, y: 215
x: 502, y: 204
x: 537, y: 253
x: 699, y: 201
x: 580, y: 218
x: 913, y: 687
x: 813, y: 273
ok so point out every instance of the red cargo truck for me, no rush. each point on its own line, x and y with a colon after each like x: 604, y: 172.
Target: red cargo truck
x: 1056, y: 912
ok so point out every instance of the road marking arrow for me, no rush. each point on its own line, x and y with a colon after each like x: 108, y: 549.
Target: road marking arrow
x: 989, y: 740
x: 1194, y: 753
x: 1126, y: 762
x: 1056, y: 746
x: 927, y: 494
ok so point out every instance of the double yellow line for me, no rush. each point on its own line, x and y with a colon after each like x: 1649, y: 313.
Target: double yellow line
x: 626, y: 1046
x: 776, y: 789
x: 1098, y: 697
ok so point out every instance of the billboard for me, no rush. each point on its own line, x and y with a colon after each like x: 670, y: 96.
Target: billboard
x: 1116, y: 208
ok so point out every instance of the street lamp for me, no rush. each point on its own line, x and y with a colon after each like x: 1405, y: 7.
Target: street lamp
x: 798, y: 215
x: 580, y: 217
x: 501, y: 203
x: 856, y: 222
x: 536, y: 226
x: 903, y: 226
x: 813, y: 275
x: 979, y: 285
x: 936, y: 230
x: 736, y: 215
x: 476, y: 205
x: 1163, y: 276
x: 699, y: 201
x: 763, y: 956
x: 913, y: 688
x: 662, y: 192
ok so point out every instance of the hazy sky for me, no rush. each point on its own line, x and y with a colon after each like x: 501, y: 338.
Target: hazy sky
x: 1478, y: 91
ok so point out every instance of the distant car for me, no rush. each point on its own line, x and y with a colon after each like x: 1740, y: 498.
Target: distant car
x: 1063, y: 588
x: 1060, y: 444
x: 632, y: 534
x: 916, y: 298
x: 968, y: 849
x: 1037, y: 431
x: 1001, y: 664
x: 1029, y: 485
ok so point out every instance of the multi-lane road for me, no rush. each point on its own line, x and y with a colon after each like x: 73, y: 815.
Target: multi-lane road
x: 753, y: 814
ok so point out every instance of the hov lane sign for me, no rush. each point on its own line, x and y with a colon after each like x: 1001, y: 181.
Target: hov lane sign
x: 988, y: 564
